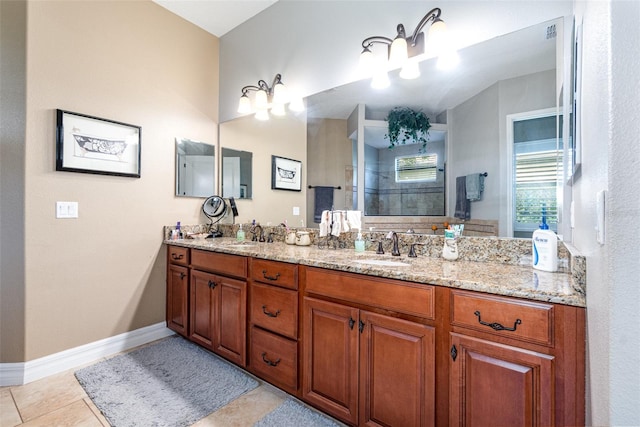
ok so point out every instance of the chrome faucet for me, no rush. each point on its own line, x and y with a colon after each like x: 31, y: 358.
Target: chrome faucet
x: 394, y: 236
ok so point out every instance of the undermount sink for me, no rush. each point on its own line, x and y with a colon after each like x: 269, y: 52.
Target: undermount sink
x: 382, y: 262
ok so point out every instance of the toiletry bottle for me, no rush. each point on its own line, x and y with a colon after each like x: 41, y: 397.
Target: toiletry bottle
x: 359, y: 243
x: 450, y: 247
x: 176, y: 233
x: 544, y: 248
x: 240, y: 234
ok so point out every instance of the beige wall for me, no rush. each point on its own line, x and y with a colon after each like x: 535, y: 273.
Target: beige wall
x: 279, y: 136
x: 13, y: 16
x: 103, y: 273
x: 329, y: 154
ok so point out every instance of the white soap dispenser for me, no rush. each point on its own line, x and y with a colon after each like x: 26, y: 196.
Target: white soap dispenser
x: 240, y: 234
x: 359, y: 243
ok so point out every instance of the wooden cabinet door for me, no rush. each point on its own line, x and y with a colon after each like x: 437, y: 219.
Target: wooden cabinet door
x: 231, y: 319
x: 397, y: 372
x: 499, y: 385
x: 177, y: 299
x: 203, y: 304
x: 330, y: 358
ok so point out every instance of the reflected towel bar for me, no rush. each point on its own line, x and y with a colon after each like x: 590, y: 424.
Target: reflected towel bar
x: 336, y: 188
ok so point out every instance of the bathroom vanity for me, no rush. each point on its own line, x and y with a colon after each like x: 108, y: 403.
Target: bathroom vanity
x: 381, y: 340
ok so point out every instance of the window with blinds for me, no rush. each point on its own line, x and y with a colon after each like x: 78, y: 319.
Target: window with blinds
x: 416, y: 168
x: 536, y: 177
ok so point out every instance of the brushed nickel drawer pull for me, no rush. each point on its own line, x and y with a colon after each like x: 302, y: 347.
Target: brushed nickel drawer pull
x: 497, y: 326
x: 264, y: 274
x: 264, y: 310
x: 269, y: 362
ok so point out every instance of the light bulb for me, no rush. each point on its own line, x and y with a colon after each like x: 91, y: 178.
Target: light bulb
x: 366, y: 62
x: 448, y: 59
x: 262, y: 115
x: 380, y: 78
x: 278, y: 109
x: 296, y: 104
x: 280, y: 94
x: 438, y: 31
x: 410, y: 70
x: 261, y: 101
x: 244, y: 106
x: 398, y: 54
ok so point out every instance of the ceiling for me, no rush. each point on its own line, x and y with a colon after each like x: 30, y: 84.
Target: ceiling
x: 216, y: 16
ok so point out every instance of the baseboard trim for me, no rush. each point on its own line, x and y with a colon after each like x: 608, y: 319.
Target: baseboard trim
x: 26, y: 372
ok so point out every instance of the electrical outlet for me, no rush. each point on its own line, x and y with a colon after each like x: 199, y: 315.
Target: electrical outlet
x: 296, y: 210
x: 66, y: 209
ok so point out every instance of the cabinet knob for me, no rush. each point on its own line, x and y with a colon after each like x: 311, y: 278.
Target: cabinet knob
x: 182, y: 276
x: 212, y: 284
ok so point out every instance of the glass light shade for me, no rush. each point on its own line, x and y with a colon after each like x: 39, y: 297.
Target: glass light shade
x: 244, y: 106
x: 262, y: 115
x: 410, y: 70
x: 398, y: 54
x: 296, y: 104
x: 437, y: 32
x: 366, y: 62
x: 277, y: 109
x: 261, y: 101
x: 280, y: 94
x: 380, y: 79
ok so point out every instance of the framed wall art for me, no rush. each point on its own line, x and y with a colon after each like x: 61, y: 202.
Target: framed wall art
x: 89, y: 144
x: 286, y: 174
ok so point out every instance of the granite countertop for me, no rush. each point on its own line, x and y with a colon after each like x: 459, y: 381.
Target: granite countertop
x: 495, y: 278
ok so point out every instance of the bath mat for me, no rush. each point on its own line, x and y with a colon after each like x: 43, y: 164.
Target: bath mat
x: 293, y: 414
x: 171, y: 383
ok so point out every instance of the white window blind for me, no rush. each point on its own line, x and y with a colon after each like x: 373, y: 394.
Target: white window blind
x: 536, y: 179
x: 416, y: 168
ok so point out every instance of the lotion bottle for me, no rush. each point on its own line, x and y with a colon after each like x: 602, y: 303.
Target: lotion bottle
x: 450, y: 247
x: 544, y: 248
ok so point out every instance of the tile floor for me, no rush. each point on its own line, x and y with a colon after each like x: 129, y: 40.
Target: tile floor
x: 59, y: 400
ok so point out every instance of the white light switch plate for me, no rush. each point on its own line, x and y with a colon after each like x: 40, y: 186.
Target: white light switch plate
x: 296, y: 210
x: 66, y: 209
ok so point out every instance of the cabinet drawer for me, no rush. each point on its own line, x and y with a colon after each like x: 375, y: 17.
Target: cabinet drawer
x: 511, y: 318
x: 178, y: 255
x: 275, y: 309
x: 275, y: 273
x: 275, y: 359
x: 230, y: 265
x: 388, y: 294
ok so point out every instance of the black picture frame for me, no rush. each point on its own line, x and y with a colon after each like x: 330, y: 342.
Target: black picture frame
x: 88, y: 144
x: 286, y: 174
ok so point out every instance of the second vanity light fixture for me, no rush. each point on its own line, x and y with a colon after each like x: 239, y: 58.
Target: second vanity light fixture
x: 268, y: 98
x: 403, y: 50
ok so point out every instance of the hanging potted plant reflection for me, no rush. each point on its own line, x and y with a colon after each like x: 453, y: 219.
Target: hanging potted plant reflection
x: 407, y: 125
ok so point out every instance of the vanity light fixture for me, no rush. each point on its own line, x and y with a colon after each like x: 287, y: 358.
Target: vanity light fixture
x: 266, y: 98
x: 403, y: 50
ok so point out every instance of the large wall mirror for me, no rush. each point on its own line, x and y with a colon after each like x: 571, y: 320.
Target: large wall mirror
x: 468, y: 106
x: 237, y: 173
x: 195, y: 168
